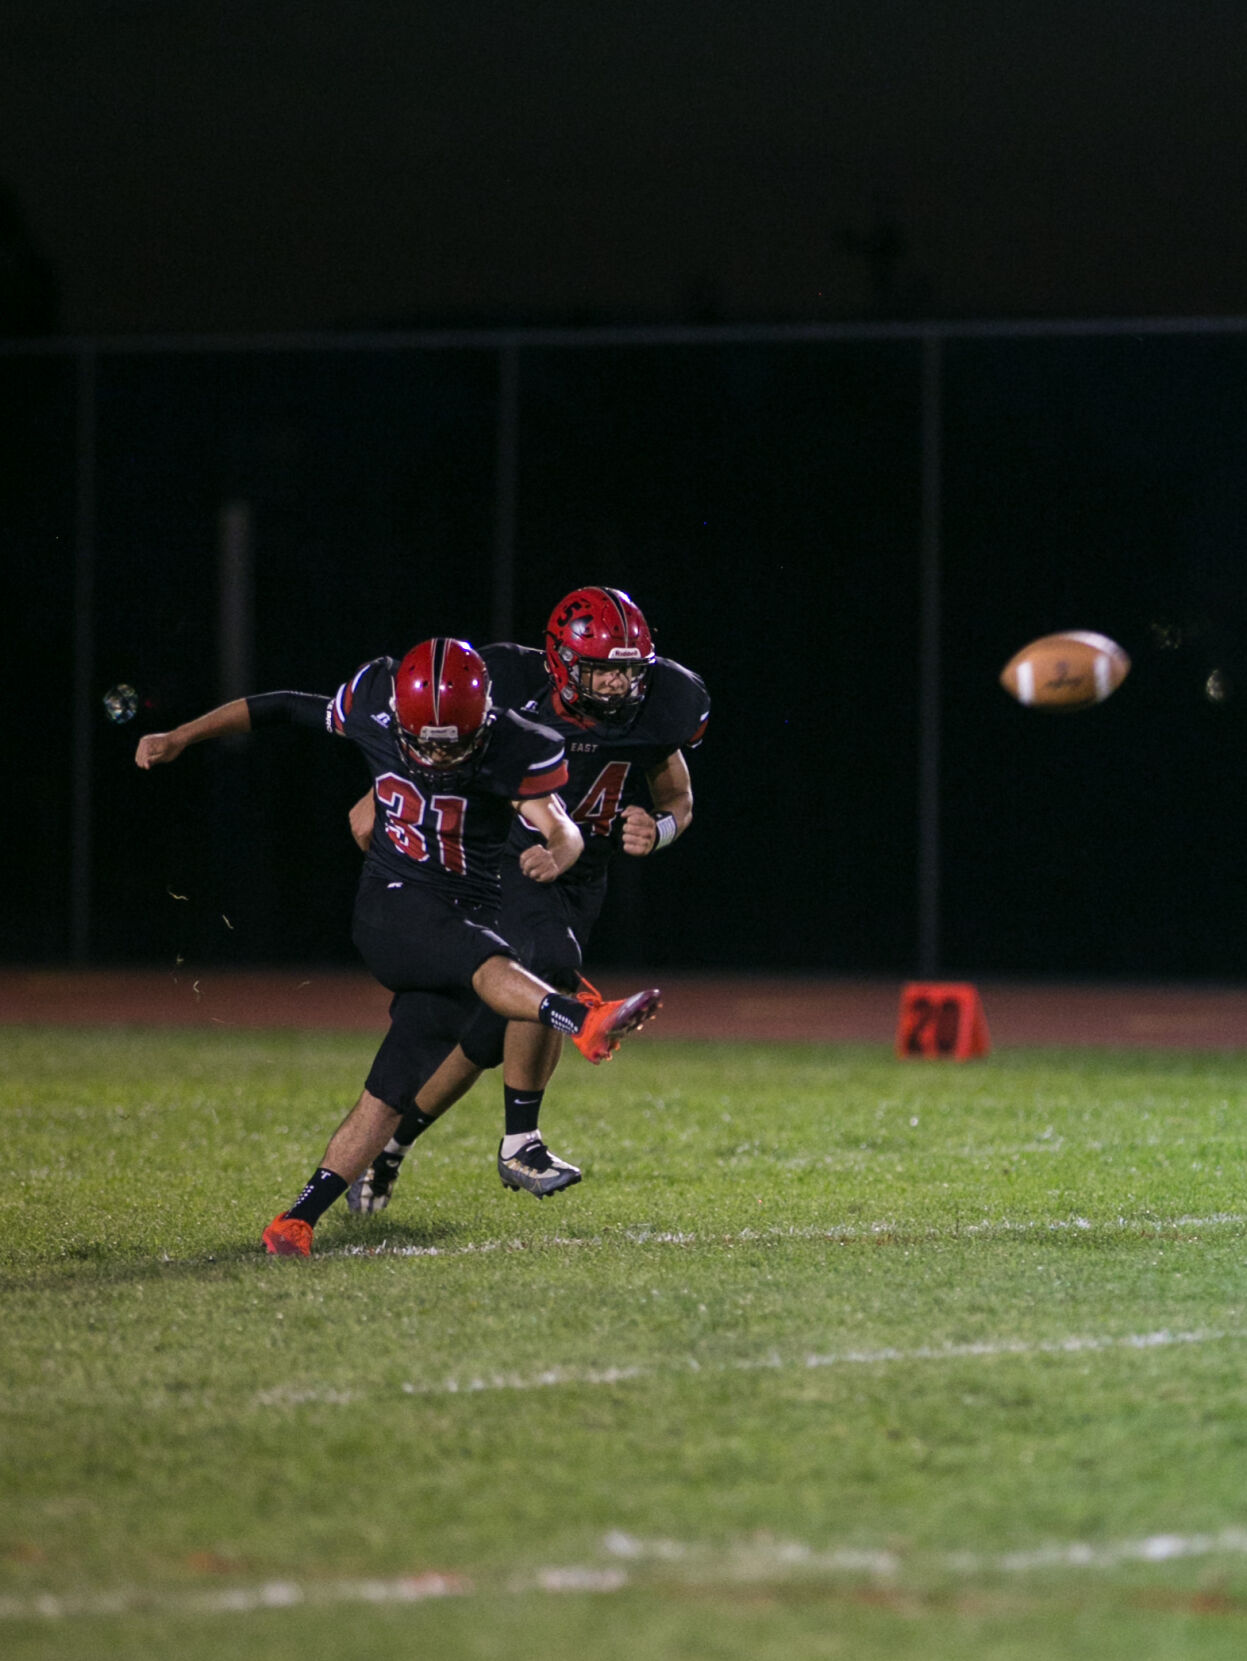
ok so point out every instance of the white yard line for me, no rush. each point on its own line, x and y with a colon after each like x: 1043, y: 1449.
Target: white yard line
x: 688, y: 1561
x: 627, y: 1372
x: 643, y: 1236
x: 312, y: 1394
x: 985, y: 1349
x: 754, y: 1558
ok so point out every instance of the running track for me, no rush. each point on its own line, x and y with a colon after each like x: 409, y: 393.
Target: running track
x: 706, y: 1007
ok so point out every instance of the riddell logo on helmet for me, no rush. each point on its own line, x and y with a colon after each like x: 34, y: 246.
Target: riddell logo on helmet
x: 439, y: 735
x: 631, y: 652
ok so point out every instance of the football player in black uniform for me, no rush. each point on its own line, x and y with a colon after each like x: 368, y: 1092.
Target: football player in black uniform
x: 625, y: 716
x: 450, y: 771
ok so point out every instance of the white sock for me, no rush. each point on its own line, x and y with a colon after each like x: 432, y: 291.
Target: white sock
x: 511, y: 1145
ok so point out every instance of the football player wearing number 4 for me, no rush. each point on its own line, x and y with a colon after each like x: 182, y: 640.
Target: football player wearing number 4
x: 625, y: 716
x: 450, y: 771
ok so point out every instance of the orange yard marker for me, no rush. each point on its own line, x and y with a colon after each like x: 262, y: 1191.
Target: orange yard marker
x: 941, y: 1019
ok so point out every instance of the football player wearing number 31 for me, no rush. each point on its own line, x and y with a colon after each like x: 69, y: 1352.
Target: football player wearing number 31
x: 625, y: 717
x: 450, y: 771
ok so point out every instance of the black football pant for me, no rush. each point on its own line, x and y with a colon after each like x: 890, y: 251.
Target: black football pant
x: 425, y: 948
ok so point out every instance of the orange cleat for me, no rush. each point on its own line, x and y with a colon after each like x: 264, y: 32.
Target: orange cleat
x: 288, y: 1237
x: 606, y: 1023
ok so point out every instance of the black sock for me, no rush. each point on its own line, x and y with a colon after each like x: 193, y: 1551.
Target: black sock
x: 412, y: 1124
x: 320, y: 1193
x: 562, y: 1013
x: 521, y: 1108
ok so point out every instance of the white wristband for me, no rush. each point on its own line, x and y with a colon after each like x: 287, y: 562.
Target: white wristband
x: 665, y: 829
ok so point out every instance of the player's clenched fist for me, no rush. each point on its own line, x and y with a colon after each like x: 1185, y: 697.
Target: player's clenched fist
x: 539, y: 864
x: 639, y: 831
x: 155, y: 747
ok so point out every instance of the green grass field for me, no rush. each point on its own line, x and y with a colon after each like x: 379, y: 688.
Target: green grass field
x: 829, y: 1356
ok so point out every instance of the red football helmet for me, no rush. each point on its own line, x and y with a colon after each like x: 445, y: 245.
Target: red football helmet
x: 594, y: 629
x: 441, y: 703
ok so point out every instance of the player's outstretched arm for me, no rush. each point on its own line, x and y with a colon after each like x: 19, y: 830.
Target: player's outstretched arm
x: 563, y: 841
x: 157, y: 747
x: 671, y: 791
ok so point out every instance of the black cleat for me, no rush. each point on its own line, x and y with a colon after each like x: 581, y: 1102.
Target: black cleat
x: 372, y: 1191
x: 535, y: 1168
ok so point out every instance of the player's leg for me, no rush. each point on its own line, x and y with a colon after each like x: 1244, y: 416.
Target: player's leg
x: 479, y: 1049
x: 531, y: 1053
x: 530, y: 1050
x: 413, y: 938
x: 419, y: 1053
x: 528, y: 1054
x: 449, y: 1083
x: 534, y: 918
x: 355, y: 1157
x: 549, y: 924
x: 594, y: 1025
x: 363, y: 1133
x: 481, y: 1035
x: 412, y: 942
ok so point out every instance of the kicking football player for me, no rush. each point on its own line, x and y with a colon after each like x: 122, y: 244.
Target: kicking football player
x: 625, y: 716
x: 450, y: 771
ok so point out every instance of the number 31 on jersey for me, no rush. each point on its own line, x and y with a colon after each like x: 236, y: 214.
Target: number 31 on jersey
x: 404, y: 814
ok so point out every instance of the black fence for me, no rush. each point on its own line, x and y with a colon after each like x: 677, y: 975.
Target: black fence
x: 845, y: 531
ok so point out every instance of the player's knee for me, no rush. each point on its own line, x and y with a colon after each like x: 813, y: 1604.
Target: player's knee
x: 559, y: 966
x: 491, y: 974
x: 389, y: 1091
x: 484, y: 1049
x: 482, y: 1038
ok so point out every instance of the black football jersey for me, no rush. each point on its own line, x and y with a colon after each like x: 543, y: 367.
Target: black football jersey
x: 447, y: 830
x: 606, y: 768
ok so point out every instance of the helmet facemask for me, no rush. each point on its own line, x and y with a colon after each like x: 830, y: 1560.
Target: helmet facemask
x: 439, y: 751
x: 441, y: 709
x: 613, y: 707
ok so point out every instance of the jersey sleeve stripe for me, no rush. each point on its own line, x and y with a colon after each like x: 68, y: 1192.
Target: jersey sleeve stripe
x: 546, y: 778
x: 345, y: 697
x: 697, y: 737
x: 341, y: 708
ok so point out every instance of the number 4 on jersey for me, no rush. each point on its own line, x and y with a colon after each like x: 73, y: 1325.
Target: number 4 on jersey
x: 599, y: 805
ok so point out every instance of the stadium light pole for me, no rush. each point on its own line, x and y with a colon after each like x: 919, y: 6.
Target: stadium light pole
x: 236, y: 599
x: 84, y: 660
x: 506, y: 465
x: 931, y: 442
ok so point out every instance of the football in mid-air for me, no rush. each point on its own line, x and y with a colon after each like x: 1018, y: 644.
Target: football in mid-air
x: 1065, y: 671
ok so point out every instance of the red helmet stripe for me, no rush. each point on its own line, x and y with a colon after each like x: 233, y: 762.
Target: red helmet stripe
x: 435, y: 678
x: 617, y: 599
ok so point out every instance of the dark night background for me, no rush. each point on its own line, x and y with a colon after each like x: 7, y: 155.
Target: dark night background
x: 223, y: 222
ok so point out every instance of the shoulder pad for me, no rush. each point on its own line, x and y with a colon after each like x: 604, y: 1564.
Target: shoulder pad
x: 517, y: 673
x: 346, y: 694
x: 680, y: 704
